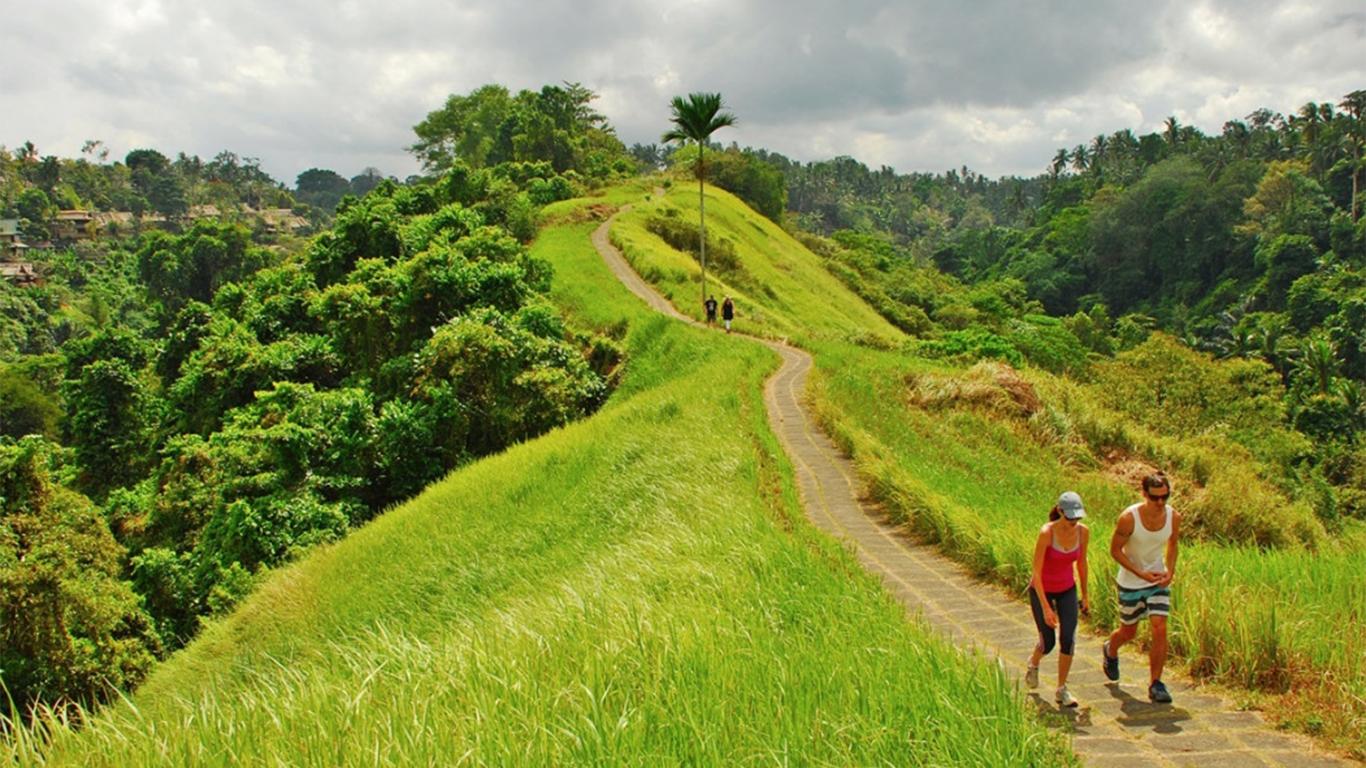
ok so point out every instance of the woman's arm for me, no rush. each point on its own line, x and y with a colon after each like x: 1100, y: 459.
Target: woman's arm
x: 1036, y: 580
x: 1083, y: 569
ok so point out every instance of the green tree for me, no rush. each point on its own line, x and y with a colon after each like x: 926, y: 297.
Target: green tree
x: 1287, y: 202
x: 1319, y: 363
x: 491, y: 126
x: 1354, y: 104
x: 70, y: 629
x: 751, y: 179
x: 178, y: 269
x: 1284, y: 259
x: 695, y: 119
x: 24, y: 408
x: 110, y: 416
x: 321, y: 188
x: 35, y: 209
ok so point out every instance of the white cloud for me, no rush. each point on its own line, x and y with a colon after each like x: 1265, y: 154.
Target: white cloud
x: 994, y: 85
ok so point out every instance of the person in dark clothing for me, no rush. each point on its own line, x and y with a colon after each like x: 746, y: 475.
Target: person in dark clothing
x: 727, y: 312
x: 710, y: 305
x: 1059, y: 568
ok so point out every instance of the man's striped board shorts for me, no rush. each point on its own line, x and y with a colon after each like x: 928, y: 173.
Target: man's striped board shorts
x: 1134, y: 604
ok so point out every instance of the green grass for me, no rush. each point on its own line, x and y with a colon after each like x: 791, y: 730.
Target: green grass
x: 781, y: 291
x: 639, y: 588
x: 980, y: 485
x: 1268, y: 620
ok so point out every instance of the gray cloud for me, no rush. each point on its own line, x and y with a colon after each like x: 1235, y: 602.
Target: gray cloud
x: 995, y: 85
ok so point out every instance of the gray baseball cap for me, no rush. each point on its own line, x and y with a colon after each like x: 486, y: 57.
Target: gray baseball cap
x: 1070, y: 505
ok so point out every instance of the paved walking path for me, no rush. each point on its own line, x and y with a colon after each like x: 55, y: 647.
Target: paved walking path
x: 1115, y: 725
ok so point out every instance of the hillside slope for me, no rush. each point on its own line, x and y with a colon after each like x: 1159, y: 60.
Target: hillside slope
x: 636, y: 588
x: 780, y: 289
x: 973, y: 457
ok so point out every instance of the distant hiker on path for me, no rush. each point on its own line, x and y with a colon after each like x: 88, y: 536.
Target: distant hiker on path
x: 1144, y: 545
x: 727, y: 312
x: 1060, y: 546
x: 710, y: 305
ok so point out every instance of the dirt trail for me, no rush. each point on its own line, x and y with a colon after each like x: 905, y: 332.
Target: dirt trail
x: 1115, y: 725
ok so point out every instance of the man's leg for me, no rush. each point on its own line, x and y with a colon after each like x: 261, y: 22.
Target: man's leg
x: 1157, y: 654
x: 1119, y: 637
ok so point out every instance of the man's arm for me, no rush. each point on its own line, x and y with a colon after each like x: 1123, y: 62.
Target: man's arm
x: 1124, y: 528
x: 1172, y: 549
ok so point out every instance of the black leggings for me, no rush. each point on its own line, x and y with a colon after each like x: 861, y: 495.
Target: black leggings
x: 1065, y: 604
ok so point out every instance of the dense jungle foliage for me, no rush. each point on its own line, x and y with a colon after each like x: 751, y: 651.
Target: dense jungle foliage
x: 1248, y: 247
x: 181, y: 410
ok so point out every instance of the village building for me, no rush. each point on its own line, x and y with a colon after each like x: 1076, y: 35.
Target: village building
x: 11, y: 248
x: 282, y: 220
x: 114, y: 222
x: 73, y: 225
x: 21, y: 273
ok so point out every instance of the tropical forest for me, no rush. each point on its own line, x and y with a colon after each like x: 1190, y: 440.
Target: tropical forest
x: 457, y: 468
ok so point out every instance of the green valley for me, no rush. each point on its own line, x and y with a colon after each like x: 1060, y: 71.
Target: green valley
x: 430, y: 485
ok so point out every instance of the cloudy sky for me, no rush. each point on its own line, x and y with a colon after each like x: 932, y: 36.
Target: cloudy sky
x: 994, y: 85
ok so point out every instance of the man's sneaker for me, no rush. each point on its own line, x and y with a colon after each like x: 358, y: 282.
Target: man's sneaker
x: 1032, y: 677
x: 1065, y: 697
x: 1111, y: 662
x: 1157, y: 693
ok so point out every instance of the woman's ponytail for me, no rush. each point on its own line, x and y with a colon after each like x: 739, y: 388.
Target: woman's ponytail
x: 1053, y: 514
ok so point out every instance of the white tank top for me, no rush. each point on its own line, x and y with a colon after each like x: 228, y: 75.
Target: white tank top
x: 1146, y: 549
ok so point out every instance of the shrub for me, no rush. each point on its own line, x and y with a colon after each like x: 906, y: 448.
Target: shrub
x: 69, y: 628
x: 685, y: 236
x: 25, y: 409
x: 1172, y: 388
x: 1237, y: 506
x: 968, y: 345
x: 1047, y: 342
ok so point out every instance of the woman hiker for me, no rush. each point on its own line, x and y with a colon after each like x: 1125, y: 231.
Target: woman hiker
x: 727, y: 312
x: 1060, y: 547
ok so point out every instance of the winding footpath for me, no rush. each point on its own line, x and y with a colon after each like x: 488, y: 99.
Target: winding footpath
x: 1115, y: 726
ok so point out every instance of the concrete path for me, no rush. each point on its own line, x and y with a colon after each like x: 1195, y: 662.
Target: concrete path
x: 1115, y: 725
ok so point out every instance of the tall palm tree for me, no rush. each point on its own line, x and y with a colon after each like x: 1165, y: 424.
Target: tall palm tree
x: 1171, y: 131
x: 1320, y: 363
x: 1081, y: 158
x: 1059, y: 163
x: 696, y: 118
x: 1100, y: 145
x: 1354, y: 104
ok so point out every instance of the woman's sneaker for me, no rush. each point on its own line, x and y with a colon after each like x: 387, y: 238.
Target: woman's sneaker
x: 1032, y: 677
x: 1111, y: 662
x: 1157, y: 693
x: 1065, y: 698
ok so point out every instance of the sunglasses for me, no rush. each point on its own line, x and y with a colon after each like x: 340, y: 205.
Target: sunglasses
x: 1159, y: 497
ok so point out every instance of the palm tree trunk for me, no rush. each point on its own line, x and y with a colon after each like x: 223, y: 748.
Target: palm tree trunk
x: 702, y: 210
x: 1356, y: 173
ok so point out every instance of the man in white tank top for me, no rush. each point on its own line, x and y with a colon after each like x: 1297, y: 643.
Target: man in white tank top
x: 1145, y: 546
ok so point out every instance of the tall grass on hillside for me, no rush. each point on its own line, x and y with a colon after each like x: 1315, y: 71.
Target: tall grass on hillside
x: 979, y: 479
x: 978, y: 472
x: 780, y: 289
x: 635, y: 589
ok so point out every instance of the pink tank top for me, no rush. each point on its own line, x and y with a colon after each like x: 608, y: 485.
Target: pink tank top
x: 1058, y: 575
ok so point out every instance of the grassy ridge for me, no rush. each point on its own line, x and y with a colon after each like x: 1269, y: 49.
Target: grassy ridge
x: 1264, y: 619
x: 638, y: 588
x: 780, y: 288
x: 1270, y: 620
